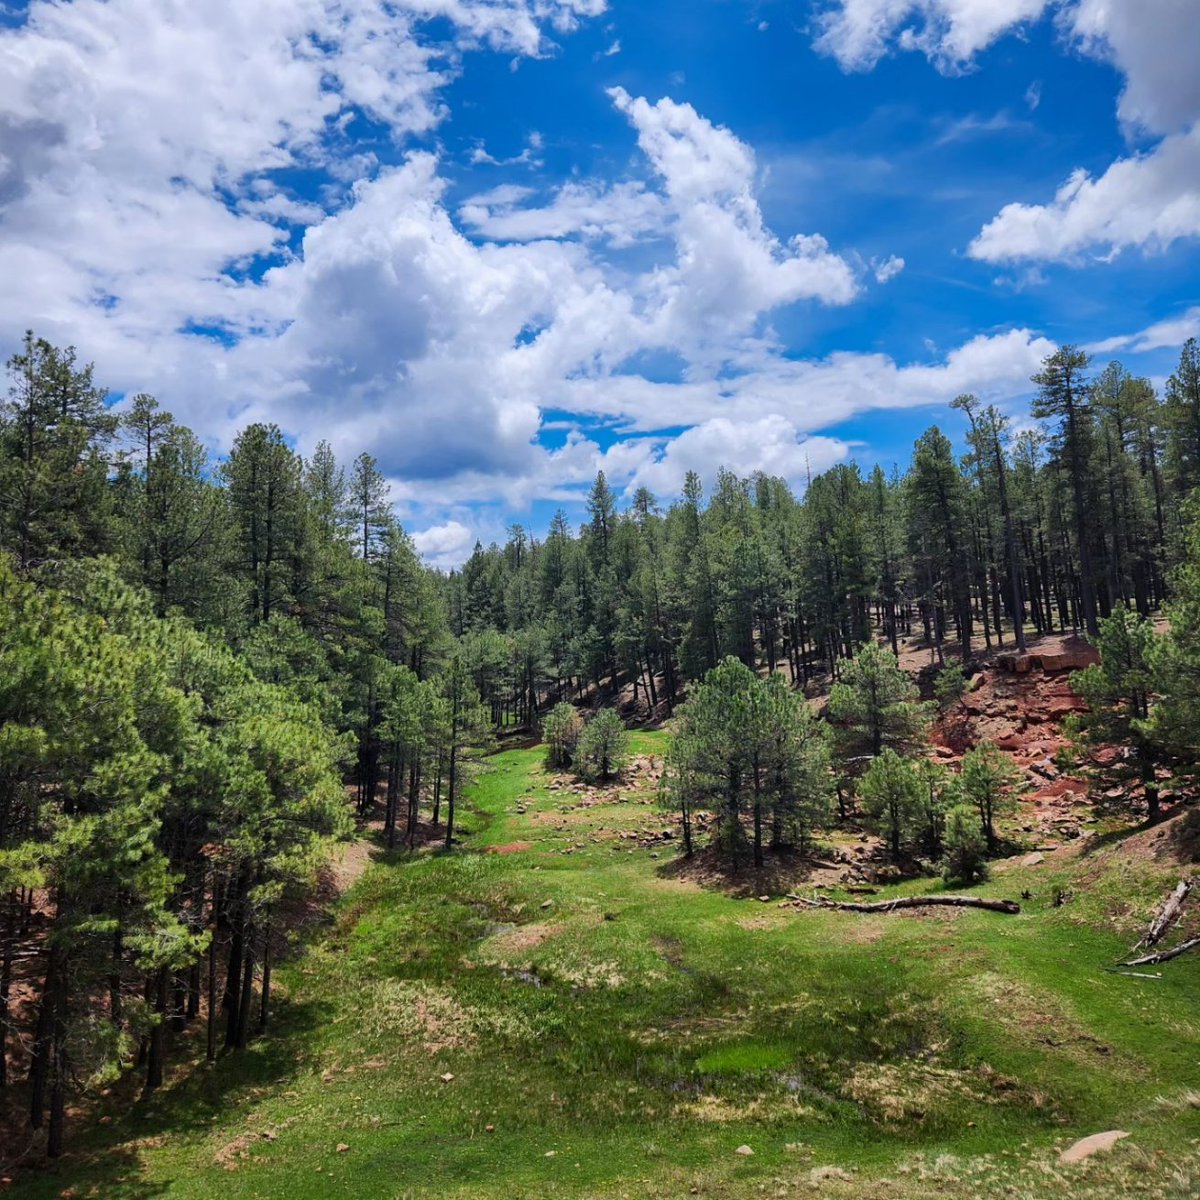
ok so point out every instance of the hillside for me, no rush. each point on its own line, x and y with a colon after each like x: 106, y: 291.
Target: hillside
x: 554, y: 1010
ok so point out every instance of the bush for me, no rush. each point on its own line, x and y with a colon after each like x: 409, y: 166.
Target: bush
x: 949, y: 686
x: 891, y: 794
x: 966, y: 847
x: 603, y: 748
x: 560, y: 731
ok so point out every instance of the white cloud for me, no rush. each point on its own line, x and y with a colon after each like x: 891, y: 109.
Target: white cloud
x: 1172, y: 332
x: 729, y: 267
x: 1153, y: 45
x: 526, y: 158
x: 888, y: 268
x: 445, y: 546
x: 771, y: 444
x: 858, y: 33
x: 620, y: 213
x: 141, y: 145
x: 1147, y: 200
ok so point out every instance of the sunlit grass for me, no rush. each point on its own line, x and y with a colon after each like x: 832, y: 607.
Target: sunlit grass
x: 611, y: 1032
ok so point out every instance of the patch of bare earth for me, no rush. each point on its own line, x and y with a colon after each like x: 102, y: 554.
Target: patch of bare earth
x: 513, y: 943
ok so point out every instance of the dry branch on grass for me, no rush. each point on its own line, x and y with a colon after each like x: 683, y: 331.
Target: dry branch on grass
x: 1169, y: 912
x: 883, y: 906
x: 1149, y: 960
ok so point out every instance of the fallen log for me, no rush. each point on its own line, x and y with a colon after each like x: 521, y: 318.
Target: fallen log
x: 881, y: 906
x: 1149, y: 960
x: 1166, y: 917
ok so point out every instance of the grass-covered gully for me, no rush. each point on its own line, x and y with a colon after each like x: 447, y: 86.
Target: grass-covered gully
x: 558, y: 1009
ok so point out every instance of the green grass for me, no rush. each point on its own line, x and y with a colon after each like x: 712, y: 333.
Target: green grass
x: 613, y: 1030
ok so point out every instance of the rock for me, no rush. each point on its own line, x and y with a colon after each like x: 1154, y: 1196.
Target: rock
x: 1086, y: 1147
x: 1032, y: 860
x: 547, y: 903
x: 447, y: 1078
x: 342, y: 1147
x: 745, y: 1151
x: 489, y: 1129
x: 765, y: 899
x: 1071, y: 658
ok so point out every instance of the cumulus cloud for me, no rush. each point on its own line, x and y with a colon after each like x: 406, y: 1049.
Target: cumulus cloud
x: 858, y: 33
x: 445, y: 546
x: 1146, y: 200
x: 143, y: 148
x: 771, y: 444
x: 619, y: 214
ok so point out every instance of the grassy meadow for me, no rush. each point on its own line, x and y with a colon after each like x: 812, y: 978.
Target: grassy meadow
x: 574, y: 1017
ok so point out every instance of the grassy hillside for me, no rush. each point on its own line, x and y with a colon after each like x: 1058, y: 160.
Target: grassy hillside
x: 568, y: 1018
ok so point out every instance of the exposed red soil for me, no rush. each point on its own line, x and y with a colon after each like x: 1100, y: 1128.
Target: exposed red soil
x: 1019, y: 703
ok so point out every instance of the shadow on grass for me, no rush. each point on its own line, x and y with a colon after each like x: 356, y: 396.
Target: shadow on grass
x: 105, y: 1158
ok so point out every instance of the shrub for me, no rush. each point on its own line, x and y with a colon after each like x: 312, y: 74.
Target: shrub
x: 966, y: 847
x: 560, y: 731
x: 949, y: 686
x: 603, y: 747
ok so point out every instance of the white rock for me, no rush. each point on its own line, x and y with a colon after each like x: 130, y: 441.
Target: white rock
x: 1086, y: 1147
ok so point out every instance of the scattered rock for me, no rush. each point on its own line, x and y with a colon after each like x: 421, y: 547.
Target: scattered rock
x: 342, y: 1147
x: 745, y: 1151
x: 1086, y: 1147
x: 447, y: 1078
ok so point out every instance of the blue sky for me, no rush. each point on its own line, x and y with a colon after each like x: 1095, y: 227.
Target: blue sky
x: 501, y: 244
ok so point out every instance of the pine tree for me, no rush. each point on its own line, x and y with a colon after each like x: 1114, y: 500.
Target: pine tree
x: 54, y: 430
x: 368, y: 497
x: 603, y: 747
x: 1114, y: 736
x: 988, y: 780
x: 1064, y: 396
x: 875, y: 708
x: 891, y: 794
x: 262, y: 475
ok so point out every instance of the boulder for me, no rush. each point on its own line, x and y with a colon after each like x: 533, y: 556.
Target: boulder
x: 1070, y: 658
x: 1086, y: 1147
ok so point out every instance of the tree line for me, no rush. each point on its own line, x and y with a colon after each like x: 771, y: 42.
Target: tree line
x: 195, y: 660
x: 1044, y: 529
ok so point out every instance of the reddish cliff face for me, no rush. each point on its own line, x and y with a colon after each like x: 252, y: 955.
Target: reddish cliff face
x: 1019, y: 703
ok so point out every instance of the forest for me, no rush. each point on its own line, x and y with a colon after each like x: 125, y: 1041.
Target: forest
x: 215, y: 669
